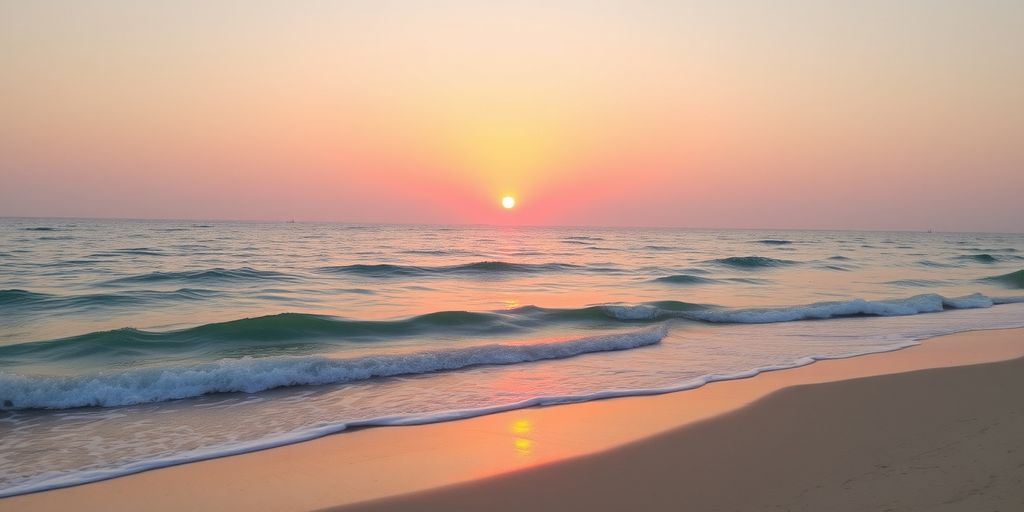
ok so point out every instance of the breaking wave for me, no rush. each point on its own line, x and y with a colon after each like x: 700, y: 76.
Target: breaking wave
x: 252, y: 375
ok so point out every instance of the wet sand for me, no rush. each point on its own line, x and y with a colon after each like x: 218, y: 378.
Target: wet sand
x: 941, y: 439
x: 934, y: 427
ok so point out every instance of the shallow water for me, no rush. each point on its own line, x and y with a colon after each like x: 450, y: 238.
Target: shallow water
x: 126, y: 345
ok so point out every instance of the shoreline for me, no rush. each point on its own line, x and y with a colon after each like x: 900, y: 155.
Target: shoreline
x: 933, y: 439
x: 387, y: 462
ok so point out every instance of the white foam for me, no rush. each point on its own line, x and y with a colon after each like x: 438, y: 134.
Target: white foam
x: 927, y: 303
x: 251, y: 375
x: 631, y: 312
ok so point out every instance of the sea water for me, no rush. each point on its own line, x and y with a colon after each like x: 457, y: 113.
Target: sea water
x: 128, y: 344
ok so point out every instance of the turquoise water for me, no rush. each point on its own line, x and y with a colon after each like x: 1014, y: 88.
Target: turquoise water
x: 127, y: 345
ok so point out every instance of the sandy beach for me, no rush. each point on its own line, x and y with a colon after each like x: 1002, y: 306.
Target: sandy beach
x: 933, y: 427
x: 939, y: 439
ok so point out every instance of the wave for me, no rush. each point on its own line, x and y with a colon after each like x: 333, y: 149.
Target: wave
x: 249, y: 336
x: 752, y: 262
x: 688, y: 279
x: 298, y: 333
x: 27, y: 299
x: 43, y: 228
x: 1011, y: 280
x: 1004, y: 249
x: 746, y: 280
x: 242, y: 274
x: 131, y: 251
x: 980, y: 258
x: 14, y: 297
x: 429, y: 252
x: 927, y: 303
x: 988, y: 258
x: 475, y: 268
x: 770, y: 241
x: 918, y: 283
x: 685, y: 279
x: 934, y: 264
x: 252, y: 375
x: 837, y: 268
x: 709, y: 313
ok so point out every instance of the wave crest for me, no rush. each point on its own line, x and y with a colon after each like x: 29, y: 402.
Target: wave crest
x: 251, y: 375
x: 752, y: 262
x: 979, y: 258
x: 479, y: 267
x: 927, y: 303
x: 208, y: 275
x: 1011, y: 280
x: 684, y: 279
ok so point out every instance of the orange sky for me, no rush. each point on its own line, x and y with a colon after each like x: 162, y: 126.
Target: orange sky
x: 739, y: 114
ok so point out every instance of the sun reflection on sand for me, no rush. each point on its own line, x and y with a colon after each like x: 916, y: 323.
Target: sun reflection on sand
x: 523, y: 446
x: 522, y: 427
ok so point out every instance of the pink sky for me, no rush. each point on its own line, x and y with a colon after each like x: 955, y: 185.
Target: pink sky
x: 652, y: 113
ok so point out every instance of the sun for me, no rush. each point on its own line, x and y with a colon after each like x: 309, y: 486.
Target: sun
x: 508, y: 202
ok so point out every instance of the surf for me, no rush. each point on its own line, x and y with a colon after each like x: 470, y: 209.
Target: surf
x: 252, y: 375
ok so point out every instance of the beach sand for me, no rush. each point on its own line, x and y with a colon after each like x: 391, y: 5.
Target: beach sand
x: 933, y: 427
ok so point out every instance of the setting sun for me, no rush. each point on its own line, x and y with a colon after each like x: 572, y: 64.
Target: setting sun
x: 508, y: 202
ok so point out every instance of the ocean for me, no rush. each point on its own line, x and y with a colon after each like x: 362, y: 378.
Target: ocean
x: 127, y: 345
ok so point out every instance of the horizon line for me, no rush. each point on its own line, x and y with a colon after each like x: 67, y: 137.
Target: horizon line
x: 462, y: 224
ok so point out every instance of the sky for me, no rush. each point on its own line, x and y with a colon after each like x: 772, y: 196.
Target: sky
x: 735, y: 114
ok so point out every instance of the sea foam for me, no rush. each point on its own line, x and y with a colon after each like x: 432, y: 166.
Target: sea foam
x: 251, y: 375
